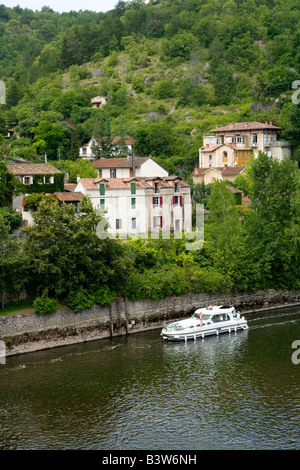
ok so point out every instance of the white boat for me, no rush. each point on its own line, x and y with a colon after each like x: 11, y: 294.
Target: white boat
x: 211, y: 320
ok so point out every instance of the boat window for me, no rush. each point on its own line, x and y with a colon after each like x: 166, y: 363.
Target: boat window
x: 206, y: 317
x: 196, y: 315
x: 221, y: 317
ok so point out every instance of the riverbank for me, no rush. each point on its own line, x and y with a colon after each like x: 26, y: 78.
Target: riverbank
x: 24, y: 333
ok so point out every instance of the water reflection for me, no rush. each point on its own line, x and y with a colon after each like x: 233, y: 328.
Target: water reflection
x: 237, y: 391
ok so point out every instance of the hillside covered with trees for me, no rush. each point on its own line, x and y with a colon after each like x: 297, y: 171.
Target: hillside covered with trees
x: 171, y: 70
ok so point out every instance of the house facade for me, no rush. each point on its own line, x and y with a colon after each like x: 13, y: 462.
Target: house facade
x: 128, y: 167
x: 99, y: 101
x: 234, y: 144
x: 89, y: 151
x: 140, y: 205
x: 209, y: 175
x: 36, y: 178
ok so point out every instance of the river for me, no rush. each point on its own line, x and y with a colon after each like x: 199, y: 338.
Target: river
x: 139, y: 392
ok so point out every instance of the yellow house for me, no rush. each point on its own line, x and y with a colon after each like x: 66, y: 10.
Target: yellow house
x: 234, y: 144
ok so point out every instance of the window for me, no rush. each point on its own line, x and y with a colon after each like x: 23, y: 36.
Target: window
x: 133, y: 188
x: 102, y: 189
x: 176, y: 187
x: 133, y: 223
x: 177, y: 201
x: 27, y: 180
x: 102, y: 203
x: 113, y: 173
x: 84, y: 151
x: 157, y: 221
x: 156, y: 187
x: 177, y: 225
x: 224, y: 156
x: 118, y: 224
x: 133, y: 203
x: 157, y: 201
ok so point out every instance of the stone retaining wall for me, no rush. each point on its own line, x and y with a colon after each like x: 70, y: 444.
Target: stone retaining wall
x: 31, y: 332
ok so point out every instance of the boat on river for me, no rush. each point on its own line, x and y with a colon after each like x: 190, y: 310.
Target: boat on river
x: 212, y: 320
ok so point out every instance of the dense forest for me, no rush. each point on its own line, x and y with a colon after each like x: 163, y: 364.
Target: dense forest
x: 171, y: 70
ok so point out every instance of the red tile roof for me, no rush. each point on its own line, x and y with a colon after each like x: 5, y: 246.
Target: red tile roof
x: 239, y: 126
x: 118, y: 162
x: 69, y: 196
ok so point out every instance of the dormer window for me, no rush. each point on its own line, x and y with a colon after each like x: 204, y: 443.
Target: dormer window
x: 102, y: 189
x: 156, y: 187
x: 176, y: 187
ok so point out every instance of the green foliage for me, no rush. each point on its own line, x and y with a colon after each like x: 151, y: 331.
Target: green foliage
x: 103, y: 295
x: 79, y: 167
x: 44, y: 305
x: 8, y: 185
x: 79, y: 300
x: 12, y: 219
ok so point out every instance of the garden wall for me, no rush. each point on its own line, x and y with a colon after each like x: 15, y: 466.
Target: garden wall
x: 30, y: 332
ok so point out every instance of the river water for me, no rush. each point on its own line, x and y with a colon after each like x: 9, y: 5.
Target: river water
x: 237, y: 391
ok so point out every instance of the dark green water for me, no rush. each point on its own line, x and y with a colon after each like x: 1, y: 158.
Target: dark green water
x: 238, y: 391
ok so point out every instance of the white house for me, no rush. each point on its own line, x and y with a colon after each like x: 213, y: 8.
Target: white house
x: 99, y: 101
x: 89, y: 150
x: 140, y: 205
x: 128, y: 167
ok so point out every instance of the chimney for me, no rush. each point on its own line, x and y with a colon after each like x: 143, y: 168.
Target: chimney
x: 78, y: 178
x: 133, y: 162
x: 45, y: 158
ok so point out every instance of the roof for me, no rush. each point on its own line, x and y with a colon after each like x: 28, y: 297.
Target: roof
x: 97, y: 99
x: 32, y: 169
x: 119, y: 162
x: 69, y: 196
x: 229, y: 170
x: 115, y: 140
x: 239, y: 126
x: 125, y: 183
x: 70, y: 186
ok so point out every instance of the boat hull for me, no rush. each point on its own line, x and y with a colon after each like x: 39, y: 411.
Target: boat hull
x: 204, y: 331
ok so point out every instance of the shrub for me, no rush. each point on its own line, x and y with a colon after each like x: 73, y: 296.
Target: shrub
x: 103, y: 296
x: 79, y: 300
x: 44, y: 305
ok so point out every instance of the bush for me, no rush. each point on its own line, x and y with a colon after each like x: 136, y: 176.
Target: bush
x: 11, y: 218
x: 103, y: 296
x: 79, y: 300
x: 44, y: 305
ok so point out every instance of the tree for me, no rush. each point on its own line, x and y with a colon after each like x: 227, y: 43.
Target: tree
x: 73, y: 153
x: 102, y: 133
x: 11, y: 272
x: 48, y: 138
x: 65, y: 253
x: 274, y: 193
x: 8, y: 185
x: 225, y: 236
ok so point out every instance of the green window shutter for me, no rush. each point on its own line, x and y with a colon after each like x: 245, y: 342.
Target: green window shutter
x: 133, y: 188
x: 102, y: 203
x: 102, y: 189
